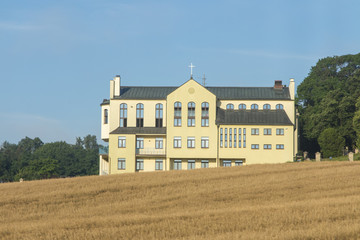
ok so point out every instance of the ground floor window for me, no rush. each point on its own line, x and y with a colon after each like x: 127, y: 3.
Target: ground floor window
x: 140, y: 164
x: 177, y: 165
x: 226, y: 163
x: 238, y: 163
x: 121, y: 164
x: 204, y: 163
x: 159, y: 164
x: 191, y: 164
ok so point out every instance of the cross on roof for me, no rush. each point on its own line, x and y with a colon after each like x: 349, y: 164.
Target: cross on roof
x: 191, y: 68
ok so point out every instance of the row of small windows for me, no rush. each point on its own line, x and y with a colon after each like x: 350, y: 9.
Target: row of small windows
x: 191, y: 114
x: 254, y: 106
x: 267, y: 131
x: 268, y: 146
x: 191, y: 142
x: 190, y: 164
x: 139, y: 164
x: 159, y: 143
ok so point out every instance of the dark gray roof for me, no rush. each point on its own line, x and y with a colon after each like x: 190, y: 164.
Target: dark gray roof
x: 139, y: 130
x: 252, y: 117
x: 145, y: 92
x: 245, y: 93
x: 223, y: 93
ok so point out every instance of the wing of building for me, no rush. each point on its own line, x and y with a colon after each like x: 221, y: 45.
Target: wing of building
x: 192, y: 126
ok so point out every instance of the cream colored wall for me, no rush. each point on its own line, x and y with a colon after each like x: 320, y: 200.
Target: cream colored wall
x: 260, y: 155
x: 289, y: 105
x: 105, y: 127
x: 149, y: 112
x: 128, y: 153
x: 103, y: 166
x: 191, y: 91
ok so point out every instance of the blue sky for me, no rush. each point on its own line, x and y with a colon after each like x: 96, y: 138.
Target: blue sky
x: 57, y: 57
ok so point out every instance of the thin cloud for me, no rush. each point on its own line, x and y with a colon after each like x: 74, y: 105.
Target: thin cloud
x: 18, y: 27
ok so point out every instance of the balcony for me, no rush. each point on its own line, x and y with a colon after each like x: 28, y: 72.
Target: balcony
x: 150, y: 152
x: 103, y: 150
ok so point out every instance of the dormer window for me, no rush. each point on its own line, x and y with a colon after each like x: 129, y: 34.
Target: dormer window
x: 254, y: 106
x: 230, y: 106
x: 279, y: 106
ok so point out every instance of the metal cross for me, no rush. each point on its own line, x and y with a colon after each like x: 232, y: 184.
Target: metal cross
x: 191, y: 68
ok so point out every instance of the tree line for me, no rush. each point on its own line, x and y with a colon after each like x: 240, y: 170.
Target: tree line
x: 328, y: 101
x: 31, y: 159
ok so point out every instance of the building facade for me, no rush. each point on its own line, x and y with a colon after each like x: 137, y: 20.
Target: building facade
x: 192, y: 126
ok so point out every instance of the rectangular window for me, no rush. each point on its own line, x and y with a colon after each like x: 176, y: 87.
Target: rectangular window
x: 239, y: 137
x: 279, y: 131
x: 254, y: 146
x: 139, y: 164
x: 267, y: 131
x: 221, y: 137
x: 244, y: 138
x: 177, y: 165
x: 159, y: 164
x: 204, y: 163
x: 177, y: 142
x: 121, y: 164
x: 177, y: 114
x: 235, y: 137
x: 238, y: 163
x: 122, y: 142
x: 226, y: 163
x: 191, y: 142
x: 159, y: 115
x: 139, y: 143
x: 159, y: 143
x: 267, y: 146
x: 279, y: 146
x: 191, y: 114
x: 106, y: 116
x: 204, y: 142
x: 191, y: 164
x: 139, y: 115
x: 226, y: 137
x: 230, y: 137
x: 254, y: 131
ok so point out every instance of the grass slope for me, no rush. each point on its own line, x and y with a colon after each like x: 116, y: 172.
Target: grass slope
x: 283, y: 201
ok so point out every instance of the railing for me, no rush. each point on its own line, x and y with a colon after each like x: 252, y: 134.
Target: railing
x: 150, y: 151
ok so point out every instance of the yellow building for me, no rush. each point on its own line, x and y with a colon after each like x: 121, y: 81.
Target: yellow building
x: 192, y: 126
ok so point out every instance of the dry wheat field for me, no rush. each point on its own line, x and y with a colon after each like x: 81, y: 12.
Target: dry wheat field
x: 282, y: 201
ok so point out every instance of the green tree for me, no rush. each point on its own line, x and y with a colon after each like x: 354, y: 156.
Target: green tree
x: 331, y: 143
x: 326, y: 99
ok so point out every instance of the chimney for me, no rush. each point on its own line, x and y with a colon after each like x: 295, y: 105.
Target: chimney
x: 117, y: 86
x: 278, y: 84
x: 292, y: 89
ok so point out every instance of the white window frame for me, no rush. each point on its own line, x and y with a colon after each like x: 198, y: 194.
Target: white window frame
x: 122, y: 142
x: 191, y: 164
x: 177, y: 142
x: 159, y: 143
x: 139, y: 164
x: 204, y: 142
x: 139, y: 143
x: 159, y: 163
x: 177, y: 164
x: 191, y: 142
x: 204, y: 163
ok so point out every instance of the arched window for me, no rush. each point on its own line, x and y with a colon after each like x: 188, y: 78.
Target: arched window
x: 139, y: 115
x: 106, y: 116
x: 177, y: 114
x: 242, y: 106
x: 159, y: 115
x: 191, y: 114
x: 123, y: 115
x: 205, y: 114
x: 254, y: 106
x: 279, y: 106
x: 230, y: 106
x: 266, y: 107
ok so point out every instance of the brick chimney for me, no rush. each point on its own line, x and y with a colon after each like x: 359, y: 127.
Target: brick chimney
x: 278, y: 84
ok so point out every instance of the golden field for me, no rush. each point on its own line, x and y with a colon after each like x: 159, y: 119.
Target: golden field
x: 282, y: 201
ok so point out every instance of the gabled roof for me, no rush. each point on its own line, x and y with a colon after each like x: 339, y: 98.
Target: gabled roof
x: 139, y: 130
x: 222, y: 93
x: 252, y: 117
